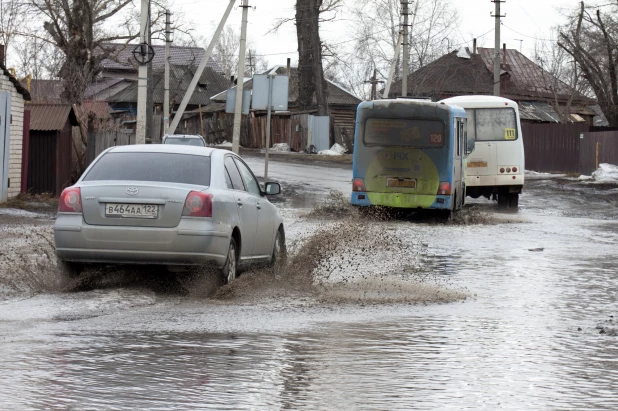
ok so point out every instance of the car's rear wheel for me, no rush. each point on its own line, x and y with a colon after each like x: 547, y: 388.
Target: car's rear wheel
x: 67, y: 271
x: 229, y: 269
x: 280, y: 253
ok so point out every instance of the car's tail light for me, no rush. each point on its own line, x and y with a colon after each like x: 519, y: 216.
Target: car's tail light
x: 358, y: 184
x: 70, y: 201
x: 198, y: 204
x: 444, y: 189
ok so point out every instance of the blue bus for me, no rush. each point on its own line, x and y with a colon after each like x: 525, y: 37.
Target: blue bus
x: 410, y: 154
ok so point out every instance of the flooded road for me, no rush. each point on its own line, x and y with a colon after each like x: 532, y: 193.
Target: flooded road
x: 492, y: 311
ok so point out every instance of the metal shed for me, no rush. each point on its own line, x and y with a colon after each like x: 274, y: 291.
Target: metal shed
x: 50, y: 150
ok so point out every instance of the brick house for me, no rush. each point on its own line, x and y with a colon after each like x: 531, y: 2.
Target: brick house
x: 12, y: 98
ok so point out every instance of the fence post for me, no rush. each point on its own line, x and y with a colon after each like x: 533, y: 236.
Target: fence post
x: 597, y: 162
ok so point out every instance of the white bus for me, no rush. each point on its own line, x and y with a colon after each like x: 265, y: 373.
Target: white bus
x: 495, y: 169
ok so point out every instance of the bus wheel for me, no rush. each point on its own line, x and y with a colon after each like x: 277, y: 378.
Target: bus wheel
x: 503, y: 200
x: 514, y: 200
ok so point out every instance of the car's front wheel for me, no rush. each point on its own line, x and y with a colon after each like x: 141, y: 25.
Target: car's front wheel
x: 280, y: 253
x: 229, y: 269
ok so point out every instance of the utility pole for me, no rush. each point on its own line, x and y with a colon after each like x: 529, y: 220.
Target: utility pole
x: 240, y: 75
x: 142, y: 80
x: 391, y: 72
x: 166, y: 90
x: 497, y: 16
x: 374, y: 83
x: 150, y: 138
x: 200, y: 70
x: 406, y: 49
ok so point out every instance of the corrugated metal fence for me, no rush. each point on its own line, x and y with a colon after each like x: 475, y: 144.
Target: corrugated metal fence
x: 567, y: 148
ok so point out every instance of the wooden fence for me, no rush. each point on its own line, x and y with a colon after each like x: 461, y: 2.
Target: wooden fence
x: 99, y: 141
x: 285, y: 128
x: 607, y: 150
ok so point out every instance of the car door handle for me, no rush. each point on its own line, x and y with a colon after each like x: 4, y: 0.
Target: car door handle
x: 239, y: 203
x: 259, y: 207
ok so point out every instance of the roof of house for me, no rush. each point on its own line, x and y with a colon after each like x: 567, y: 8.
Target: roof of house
x: 462, y: 72
x: 337, y: 95
x: 51, y: 117
x: 210, y: 84
x: 18, y: 86
x: 181, y: 56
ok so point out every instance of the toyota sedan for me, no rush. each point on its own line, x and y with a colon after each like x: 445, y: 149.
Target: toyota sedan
x: 170, y: 205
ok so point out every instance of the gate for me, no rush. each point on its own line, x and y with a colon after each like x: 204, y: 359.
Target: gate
x: 319, y: 132
x: 5, y: 144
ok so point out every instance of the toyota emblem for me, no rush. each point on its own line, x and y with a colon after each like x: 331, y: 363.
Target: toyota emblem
x: 132, y: 191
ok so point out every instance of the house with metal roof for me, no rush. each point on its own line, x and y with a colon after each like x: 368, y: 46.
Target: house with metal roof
x: 542, y: 97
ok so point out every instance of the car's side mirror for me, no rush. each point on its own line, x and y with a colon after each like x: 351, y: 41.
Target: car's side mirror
x: 272, y: 189
x: 470, y: 146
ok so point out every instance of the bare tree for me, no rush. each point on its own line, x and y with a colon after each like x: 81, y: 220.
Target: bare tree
x: 77, y: 29
x: 311, y: 81
x: 376, y: 28
x: 563, y: 82
x: 11, y: 22
x: 590, y: 39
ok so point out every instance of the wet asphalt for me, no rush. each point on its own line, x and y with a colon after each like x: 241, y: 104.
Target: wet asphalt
x: 494, y: 310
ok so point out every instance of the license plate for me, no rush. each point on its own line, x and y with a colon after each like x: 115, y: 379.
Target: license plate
x: 131, y: 210
x: 395, y: 182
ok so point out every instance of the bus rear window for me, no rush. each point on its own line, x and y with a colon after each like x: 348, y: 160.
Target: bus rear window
x: 492, y: 124
x: 404, y: 132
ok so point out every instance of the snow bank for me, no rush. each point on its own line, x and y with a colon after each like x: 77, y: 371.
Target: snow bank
x: 607, y: 173
x: 335, y: 150
x: 224, y: 144
x: 19, y: 213
x: 282, y: 147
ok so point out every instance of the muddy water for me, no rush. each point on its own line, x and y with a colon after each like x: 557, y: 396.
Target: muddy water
x: 494, y: 310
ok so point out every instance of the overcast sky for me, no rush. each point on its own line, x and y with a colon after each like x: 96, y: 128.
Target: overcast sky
x: 526, y: 20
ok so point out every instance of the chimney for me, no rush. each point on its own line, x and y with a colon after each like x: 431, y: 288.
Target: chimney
x: 474, y: 46
x: 2, y: 54
x: 504, y: 54
x: 289, y: 61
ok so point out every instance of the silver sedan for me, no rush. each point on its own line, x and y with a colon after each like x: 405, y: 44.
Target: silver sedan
x: 170, y: 205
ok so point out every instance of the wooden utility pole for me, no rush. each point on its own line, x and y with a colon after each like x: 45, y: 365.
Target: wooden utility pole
x: 497, y: 16
x: 240, y: 75
x: 374, y: 84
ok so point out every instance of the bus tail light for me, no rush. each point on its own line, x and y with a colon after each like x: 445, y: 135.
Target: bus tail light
x: 514, y: 169
x: 444, y: 189
x: 358, y: 184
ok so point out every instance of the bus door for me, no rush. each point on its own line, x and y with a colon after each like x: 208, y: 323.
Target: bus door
x: 458, y: 180
x: 482, y: 162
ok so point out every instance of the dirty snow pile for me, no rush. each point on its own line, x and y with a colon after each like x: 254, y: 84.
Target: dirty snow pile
x: 607, y: 173
x: 335, y: 150
x: 282, y: 147
x: 224, y: 144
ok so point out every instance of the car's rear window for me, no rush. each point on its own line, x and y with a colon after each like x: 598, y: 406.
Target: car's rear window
x: 163, y: 167
x: 185, y: 141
